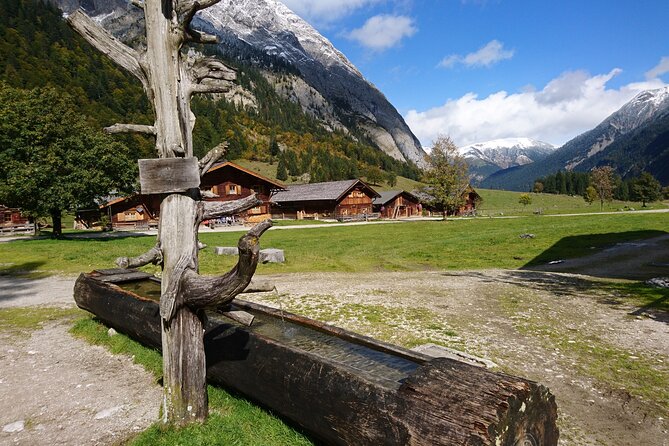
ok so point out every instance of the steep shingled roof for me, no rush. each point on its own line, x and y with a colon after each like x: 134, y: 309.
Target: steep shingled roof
x: 329, y: 191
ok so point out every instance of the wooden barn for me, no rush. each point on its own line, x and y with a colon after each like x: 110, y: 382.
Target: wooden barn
x: 347, y: 199
x: 472, y: 198
x: 397, y: 204
x: 133, y: 212
x: 229, y: 181
x: 13, y: 220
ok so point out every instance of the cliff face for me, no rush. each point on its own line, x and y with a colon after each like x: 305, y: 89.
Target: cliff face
x: 326, y: 84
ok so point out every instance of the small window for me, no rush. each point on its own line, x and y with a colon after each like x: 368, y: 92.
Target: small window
x: 233, y: 189
x: 8, y: 218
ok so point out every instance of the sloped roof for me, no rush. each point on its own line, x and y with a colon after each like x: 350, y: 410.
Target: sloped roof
x: 329, y: 191
x: 247, y: 171
x: 390, y: 195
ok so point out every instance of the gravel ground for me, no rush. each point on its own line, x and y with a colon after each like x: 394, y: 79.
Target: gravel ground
x: 58, y: 390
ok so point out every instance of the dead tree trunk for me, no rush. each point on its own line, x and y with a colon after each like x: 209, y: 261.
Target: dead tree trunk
x: 170, y: 77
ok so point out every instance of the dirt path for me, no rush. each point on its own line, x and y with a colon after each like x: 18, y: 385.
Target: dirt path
x: 58, y: 390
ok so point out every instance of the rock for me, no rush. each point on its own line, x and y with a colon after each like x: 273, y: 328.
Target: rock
x: 107, y: 412
x: 527, y: 236
x: 661, y: 282
x: 271, y: 255
x: 111, y: 332
x: 226, y: 250
x: 14, y: 427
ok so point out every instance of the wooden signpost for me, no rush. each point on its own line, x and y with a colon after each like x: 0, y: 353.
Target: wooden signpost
x: 170, y: 77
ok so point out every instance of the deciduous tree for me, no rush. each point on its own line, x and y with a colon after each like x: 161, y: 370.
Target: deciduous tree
x: 446, y: 177
x: 525, y: 199
x: 602, y: 179
x: 50, y: 159
x: 646, y: 189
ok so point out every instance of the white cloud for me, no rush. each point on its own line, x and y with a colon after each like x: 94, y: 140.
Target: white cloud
x: 327, y: 11
x: 486, y: 56
x: 567, y: 106
x: 660, y: 69
x: 382, y: 32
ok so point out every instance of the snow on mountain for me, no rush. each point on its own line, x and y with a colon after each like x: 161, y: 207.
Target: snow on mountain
x: 637, y: 112
x: 507, y: 152
x: 607, y: 144
x: 270, y: 27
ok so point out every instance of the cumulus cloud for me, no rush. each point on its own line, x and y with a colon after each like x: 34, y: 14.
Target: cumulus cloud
x: 486, y: 56
x: 327, y: 11
x: 383, y: 31
x: 660, y: 69
x: 567, y: 106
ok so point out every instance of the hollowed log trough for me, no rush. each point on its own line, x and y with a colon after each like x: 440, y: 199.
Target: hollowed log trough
x: 341, y: 387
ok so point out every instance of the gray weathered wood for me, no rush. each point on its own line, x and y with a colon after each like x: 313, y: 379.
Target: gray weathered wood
x: 154, y: 255
x: 170, y: 77
x: 217, y: 209
x: 242, y: 317
x: 212, y: 292
x: 131, y: 128
x: 167, y: 175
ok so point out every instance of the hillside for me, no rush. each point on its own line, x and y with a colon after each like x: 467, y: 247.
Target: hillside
x: 631, y: 140
x: 37, y: 48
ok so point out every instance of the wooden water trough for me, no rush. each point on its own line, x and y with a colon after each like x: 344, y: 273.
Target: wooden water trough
x: 341, y: 387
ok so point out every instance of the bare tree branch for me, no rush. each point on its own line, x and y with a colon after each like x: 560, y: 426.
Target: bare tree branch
x: 211, y: 292
x: 216, y: 209
x: 138, y: 3
x: 120, y: 53
x: 131, y: 128
x: 210, y: 75
x: 212, y: 156
x: 197, y: 36
x: 154, y: 255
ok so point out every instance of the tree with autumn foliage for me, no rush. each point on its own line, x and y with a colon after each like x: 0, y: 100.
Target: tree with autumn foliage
x: 446, y: 176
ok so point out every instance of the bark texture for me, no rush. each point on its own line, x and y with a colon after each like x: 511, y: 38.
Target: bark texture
x: 434, y: 402
x: 170, y: 77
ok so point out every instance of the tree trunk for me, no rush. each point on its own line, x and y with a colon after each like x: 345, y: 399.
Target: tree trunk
x: 184, y: 368
x: 56, y: 219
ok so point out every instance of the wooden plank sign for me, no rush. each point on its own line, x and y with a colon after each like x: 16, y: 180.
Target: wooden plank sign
x: 168, y: 175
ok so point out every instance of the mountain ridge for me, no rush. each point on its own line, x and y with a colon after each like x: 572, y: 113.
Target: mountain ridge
x: 254, y: 28
x: 591, y: 149
x: 486, y: 158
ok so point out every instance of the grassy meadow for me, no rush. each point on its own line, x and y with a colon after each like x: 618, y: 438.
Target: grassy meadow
x: 459, y: 244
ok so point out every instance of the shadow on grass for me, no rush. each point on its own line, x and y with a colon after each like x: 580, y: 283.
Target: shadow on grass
x: 646, y: 300
x: 13, y: 279
x: 632, y: 255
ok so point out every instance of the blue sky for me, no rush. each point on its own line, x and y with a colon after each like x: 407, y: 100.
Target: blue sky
x: 485, y: 69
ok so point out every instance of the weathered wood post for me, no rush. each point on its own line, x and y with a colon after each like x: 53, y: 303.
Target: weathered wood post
x: 170, y: 77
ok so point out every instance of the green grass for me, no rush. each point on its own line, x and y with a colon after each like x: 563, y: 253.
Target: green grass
x: 232, y: 420
x: 613, y: 367
x: 501, y: 202
x: 23, y: 321
x: 479, y: 243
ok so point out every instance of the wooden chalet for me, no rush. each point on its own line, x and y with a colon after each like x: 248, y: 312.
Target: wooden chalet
x: 397, y: 204
x: 133, y: 212
x: 229, y: 181
x: 13, y: 220
x: 226, y: 181
x: 335, y: 199
x: 472, y: 198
